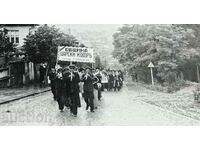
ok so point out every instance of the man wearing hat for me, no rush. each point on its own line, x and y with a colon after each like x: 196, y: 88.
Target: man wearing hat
x: 66, y: 74
x: 60, y: 89
x: 88, y: 88
x: 81, y: 72
x: 99, y: 76
x: 74, y: 79
x: 52, y: 78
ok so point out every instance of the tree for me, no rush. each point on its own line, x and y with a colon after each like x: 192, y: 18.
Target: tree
x: 5, y: 45
x: 42, y: 45
x: 191, y: 55
x: 136, y: 45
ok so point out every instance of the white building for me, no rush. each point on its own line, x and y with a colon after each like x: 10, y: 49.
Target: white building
x: 20, y: 70
x: 17, y: 32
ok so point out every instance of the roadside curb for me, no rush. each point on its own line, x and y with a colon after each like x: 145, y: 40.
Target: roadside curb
x: 163, y: 109
x: 170, y: 111
x: 24, y: 96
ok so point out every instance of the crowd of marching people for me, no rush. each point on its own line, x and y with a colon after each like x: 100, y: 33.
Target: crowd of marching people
x: 69, y: 84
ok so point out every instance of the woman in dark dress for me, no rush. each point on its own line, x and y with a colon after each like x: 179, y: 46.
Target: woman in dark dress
x: 116, y: 81
x: 110, y: 81
x: 121, y: 79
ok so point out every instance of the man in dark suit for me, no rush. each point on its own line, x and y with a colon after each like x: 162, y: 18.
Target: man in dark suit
x: 66, y: 79
x: 42, y: 74
x: 88, y: 88
x: 52, y: 78
x: 60, y: 89
x: 74, y: 80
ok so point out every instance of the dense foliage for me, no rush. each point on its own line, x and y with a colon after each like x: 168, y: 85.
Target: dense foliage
x: 171, y: 48
x: 42, y: 45
x: 5, y: 45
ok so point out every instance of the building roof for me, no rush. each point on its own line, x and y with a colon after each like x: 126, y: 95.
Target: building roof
x: 19, y: 25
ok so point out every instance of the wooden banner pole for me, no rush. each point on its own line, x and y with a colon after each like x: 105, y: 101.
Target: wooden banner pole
x: 92, y: 65
x: 56, y: 67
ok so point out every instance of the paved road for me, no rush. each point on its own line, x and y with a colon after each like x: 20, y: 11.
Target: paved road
x: 116, y: 108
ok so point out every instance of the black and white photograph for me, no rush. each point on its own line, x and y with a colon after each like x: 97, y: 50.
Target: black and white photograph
x: 100, y: 74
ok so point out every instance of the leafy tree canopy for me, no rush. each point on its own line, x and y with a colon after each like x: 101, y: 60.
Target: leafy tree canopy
x: 165, y: 45
x: 5, y: 45
x: 42, y: 45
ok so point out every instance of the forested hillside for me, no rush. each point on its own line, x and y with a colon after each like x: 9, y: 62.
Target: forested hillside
x: 97, y: 36
x: 173, y: 49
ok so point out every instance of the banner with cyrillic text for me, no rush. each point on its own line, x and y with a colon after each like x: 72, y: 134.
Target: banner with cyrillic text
x: 75, y: 54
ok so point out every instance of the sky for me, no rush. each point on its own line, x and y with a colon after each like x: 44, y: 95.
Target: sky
x: 97, y: 36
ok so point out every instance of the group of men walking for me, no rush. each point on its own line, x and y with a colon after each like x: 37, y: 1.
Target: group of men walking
x: 70, y: 83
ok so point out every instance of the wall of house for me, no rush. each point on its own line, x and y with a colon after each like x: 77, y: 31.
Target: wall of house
x: 19, y: 31
x: 20, y: 72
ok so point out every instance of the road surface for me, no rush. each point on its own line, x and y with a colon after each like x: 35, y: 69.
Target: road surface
x: 116, y: 109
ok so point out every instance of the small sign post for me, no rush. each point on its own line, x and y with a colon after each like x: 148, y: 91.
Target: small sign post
x: 151, y: 66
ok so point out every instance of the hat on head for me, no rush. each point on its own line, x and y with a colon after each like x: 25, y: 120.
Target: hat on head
x: 72, y: 66
x: 81, y: 69
x: 66, y: 68
x: 87, y: 67
x: 60, y: 69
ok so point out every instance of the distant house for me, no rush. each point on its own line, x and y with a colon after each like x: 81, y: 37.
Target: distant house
x: 18, y: 70
x: 17, y: 32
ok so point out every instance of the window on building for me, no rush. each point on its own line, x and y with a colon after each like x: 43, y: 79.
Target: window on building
x: 12, y: 39
x: 13, y: 36
x: 8, y: 38
x: 17, y: 39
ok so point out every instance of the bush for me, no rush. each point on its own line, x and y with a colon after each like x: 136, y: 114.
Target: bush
x: 167, y: 88
x: 156, y: 87
x: 196, y: 93
x: 175, y: 86
x: 172, y: 88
